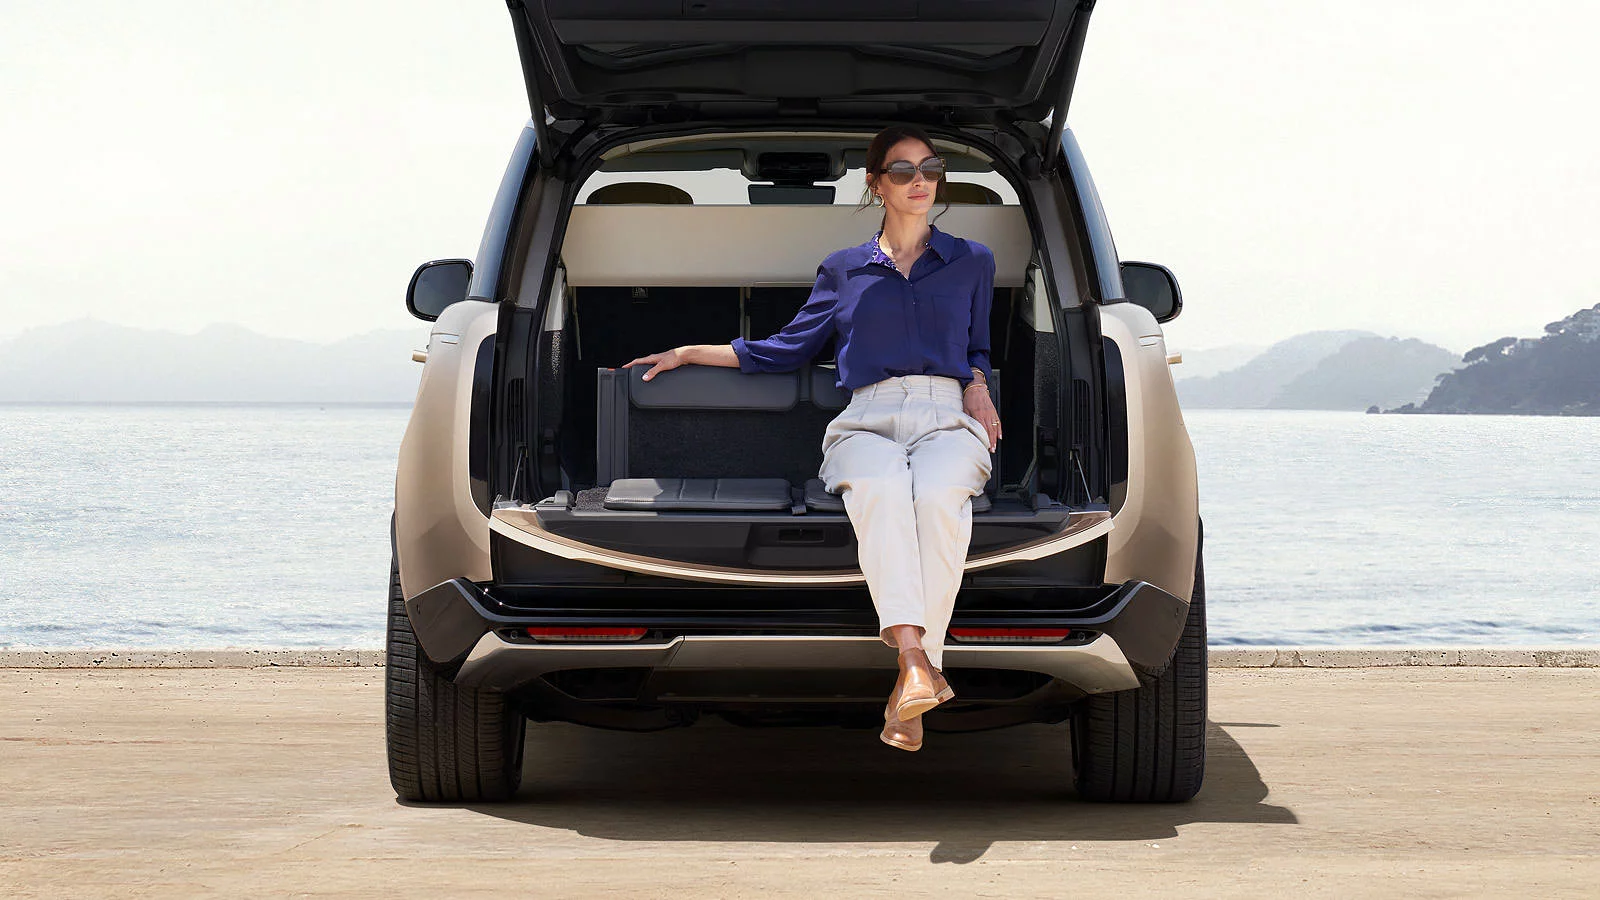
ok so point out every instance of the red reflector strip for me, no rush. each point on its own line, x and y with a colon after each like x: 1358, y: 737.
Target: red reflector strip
x: 1010, y: 635
x: 565, y: 633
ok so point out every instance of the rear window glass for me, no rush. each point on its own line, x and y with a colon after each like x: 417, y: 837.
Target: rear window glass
x: 729, y: 187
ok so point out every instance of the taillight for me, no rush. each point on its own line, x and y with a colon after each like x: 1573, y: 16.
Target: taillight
x: 1009, y: 635
x: 568, y: 633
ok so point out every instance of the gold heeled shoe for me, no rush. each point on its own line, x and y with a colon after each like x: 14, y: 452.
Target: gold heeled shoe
x: 921, y: 687
x: 902, y: 734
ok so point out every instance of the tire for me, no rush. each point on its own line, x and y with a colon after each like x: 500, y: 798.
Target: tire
x: 446, y: 743
x: 1148, y: 745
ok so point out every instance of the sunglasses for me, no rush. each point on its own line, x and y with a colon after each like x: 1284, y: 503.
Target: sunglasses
x: 902, y: 171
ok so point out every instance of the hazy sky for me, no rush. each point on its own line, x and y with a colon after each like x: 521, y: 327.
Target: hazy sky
x: 1415, y: 168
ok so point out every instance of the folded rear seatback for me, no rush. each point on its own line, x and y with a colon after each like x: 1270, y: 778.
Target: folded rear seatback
x: 715, y: 438
x: 707, y: 494
x: 714, y: 422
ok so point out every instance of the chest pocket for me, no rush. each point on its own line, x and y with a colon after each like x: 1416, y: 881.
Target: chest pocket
x: 952, y: 314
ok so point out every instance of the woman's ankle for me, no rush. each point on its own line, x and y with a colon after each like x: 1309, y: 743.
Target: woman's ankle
x: 905, y: 637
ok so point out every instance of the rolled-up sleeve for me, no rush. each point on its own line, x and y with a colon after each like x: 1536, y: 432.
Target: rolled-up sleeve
x: 982, y: 301
x: 798, y: 341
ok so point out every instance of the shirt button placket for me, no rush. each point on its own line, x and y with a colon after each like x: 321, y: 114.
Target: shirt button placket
x: 914, y: 321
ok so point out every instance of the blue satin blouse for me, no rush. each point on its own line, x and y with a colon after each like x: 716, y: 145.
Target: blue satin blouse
x: 936, y: 322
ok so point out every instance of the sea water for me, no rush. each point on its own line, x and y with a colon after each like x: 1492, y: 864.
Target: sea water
x: 267, y: 526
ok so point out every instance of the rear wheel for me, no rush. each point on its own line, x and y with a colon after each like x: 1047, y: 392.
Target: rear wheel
x: 1148, y: 745
x: 446, y: 743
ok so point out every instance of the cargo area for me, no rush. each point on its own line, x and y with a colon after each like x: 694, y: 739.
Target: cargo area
x: 708, y: 466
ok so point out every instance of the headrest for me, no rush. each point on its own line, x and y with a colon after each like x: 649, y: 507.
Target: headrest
x: 640, y: 192
x: 967, y: 192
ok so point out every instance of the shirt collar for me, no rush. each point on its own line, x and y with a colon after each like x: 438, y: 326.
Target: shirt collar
x: 942, y: 245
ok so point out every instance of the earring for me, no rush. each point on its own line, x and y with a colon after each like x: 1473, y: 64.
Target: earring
x: 877, y: 200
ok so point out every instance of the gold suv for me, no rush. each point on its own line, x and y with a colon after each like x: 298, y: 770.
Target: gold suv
x: 575, y: 544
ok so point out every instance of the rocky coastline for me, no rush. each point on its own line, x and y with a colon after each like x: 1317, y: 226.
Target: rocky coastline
x: 1557, y: 374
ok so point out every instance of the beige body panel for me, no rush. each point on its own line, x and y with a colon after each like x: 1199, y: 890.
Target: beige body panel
x: 439, y: 532
x: 1156, y: 531
x: 739, y: 246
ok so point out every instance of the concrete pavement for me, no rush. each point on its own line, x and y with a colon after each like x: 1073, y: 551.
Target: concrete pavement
x: 1421, y: 781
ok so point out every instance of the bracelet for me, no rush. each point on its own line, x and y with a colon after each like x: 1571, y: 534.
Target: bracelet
x: 976, y: 383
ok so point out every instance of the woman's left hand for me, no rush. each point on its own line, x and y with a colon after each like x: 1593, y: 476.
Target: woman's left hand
x: 978, y: 405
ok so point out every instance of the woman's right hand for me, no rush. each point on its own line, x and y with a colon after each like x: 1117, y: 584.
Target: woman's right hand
x: 659, y: 362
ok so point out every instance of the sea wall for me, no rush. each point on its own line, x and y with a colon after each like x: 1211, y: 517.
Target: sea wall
x: 1221, y: 658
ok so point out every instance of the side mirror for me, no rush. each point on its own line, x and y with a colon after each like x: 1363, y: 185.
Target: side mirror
x: 435, y: 285
x: 1154, y: 288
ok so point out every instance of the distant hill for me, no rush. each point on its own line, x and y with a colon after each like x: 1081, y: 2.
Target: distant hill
x: 1369, y: 371
x: 1214, y: 360
x: 92, y: 361
x: 1557, y: 374
x: 1254, y: 384
x: 1322, y: 370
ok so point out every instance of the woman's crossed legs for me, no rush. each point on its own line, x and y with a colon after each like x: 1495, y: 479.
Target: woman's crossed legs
x: 911, y: 506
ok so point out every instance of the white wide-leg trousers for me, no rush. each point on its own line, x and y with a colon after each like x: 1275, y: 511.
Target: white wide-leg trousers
x: 907, y: 460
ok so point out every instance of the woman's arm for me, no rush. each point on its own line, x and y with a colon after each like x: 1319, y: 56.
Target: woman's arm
x: 975, y: 397
x: 982, y: 302
x: 687, y: 355
x: 797, y: 342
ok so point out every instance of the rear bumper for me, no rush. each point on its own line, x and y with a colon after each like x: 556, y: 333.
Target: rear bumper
x: 497, y: 664
x: 1133, y: 630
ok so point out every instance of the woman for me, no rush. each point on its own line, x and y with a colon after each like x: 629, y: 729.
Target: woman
x: 910, y: 308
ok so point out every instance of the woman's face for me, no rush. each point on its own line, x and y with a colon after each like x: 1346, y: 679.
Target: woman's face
x: 915, y: 198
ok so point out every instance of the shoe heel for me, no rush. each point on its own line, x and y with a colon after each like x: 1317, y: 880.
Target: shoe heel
x: 913, y: 708
x: 920, y: 705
